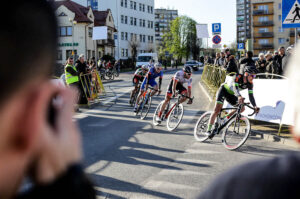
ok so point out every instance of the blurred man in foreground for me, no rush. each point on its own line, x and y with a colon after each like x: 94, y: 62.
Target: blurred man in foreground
x: 38, y: 139
x: 274, y: 178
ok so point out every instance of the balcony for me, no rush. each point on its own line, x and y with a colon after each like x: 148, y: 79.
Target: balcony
x: 263, y: 46
x: 264, y: 34
x: 263, y: 23
x: 262, y: 12
x: 106, y: 42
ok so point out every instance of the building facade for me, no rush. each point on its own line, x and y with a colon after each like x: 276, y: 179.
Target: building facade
x: 163, y: 18
x: 267, y: 31
x: 75, y: 23
x: 243, y: 20
x: 134, y: 20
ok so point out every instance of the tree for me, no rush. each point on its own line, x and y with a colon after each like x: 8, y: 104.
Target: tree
x: 133, y: 45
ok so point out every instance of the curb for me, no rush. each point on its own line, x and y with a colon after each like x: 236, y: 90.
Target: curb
x: 262, y: 135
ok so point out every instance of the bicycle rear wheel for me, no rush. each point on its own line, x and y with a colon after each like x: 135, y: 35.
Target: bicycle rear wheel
x: 201, y: 127
x: 236, y: 133
x: 146, y: 106
x: 175, y: 117
x: 156, y: 113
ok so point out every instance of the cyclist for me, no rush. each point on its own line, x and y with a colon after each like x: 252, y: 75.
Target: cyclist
x: 176, y: 84
x: 154, y: 72
x: 230, y: 92
x: 139, y: 76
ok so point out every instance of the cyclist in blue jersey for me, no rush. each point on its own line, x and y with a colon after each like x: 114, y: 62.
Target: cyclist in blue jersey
x: 154, y: 72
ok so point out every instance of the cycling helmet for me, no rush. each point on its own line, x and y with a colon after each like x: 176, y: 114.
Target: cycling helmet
x: 157, y: 65
x: 145, y: 67
x: 251, y: 70
x: 187, y: 69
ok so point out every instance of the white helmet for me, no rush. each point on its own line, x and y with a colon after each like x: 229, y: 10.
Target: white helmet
x: 157, y: 65
x: 145, y: 67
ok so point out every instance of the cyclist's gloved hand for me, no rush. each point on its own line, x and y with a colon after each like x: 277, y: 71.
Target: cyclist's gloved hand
x: 257, y: 109
x: 241, y: 100
x: 190, y: 101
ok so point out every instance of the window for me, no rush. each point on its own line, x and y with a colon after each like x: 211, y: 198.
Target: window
x: 149, y: 24
x: 122, y: 52
x: 149, y: 39
x: 90, y: 32
x: 134, y: 5
x: 262, y: 30
x: 141, y: 38
x: 151, y: 9
x: 144, y: 23
x: 135, y: 21
x: 122, y: 3
x: 131, y: 21
x: 279, y: 6
x: 144, y: 38
x: 126, y: 35
x: 65, y: 31
x: 59, y: 55
x: 122, y: 18
x: 281, y: 40
x: 263, y: 19
x: 263, y: 7
x: 126, y: 19
x: 125, y: 5
x: 148, y: 9
x: 143, y: 7
x: 126, y: 52
x: 140, y: 5
x: 131, y: 36
x: 263, y: 41
x: 279, y: 17
x: 131, y: 4
x: 122, y: 35
x: 141, y: 22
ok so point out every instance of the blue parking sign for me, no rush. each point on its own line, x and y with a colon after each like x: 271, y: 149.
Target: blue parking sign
x: 216, y: 28
x: 290, y: 14
x: 241, y: 46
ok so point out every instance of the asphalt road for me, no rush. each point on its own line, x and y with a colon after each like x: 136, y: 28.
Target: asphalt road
x: 130, y: 158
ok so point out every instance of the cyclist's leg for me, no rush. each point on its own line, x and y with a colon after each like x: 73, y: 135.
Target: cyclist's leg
x: 135, y: 84
x: 233, y: 100
x: 182, y: 90
x: 153, y: 83
x: 142, y: 90
x: 218, y: 107
x: 167, y: 99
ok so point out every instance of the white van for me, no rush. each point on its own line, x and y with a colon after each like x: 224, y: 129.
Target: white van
x: 144, y: 58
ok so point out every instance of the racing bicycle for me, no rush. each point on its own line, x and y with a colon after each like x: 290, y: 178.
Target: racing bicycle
x: 145, y: 103
x: 236, y: 129
x: 173, y: 115
x: 134, y: 95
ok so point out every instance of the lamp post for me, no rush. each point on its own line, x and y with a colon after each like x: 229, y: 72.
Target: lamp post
x: 73, y: 24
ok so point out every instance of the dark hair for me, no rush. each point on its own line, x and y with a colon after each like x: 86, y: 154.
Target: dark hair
x: 250, y: 54
x: 227, y: 49
x: 28, y: 35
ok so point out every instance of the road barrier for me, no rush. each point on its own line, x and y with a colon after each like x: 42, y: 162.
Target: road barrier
x: 92, y: 86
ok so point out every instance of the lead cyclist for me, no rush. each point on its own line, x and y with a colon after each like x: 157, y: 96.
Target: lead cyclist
x: 231, y: 93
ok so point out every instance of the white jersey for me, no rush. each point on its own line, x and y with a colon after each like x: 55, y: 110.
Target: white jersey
x: 179, y: 76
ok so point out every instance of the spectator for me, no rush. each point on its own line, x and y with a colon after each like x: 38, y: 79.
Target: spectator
x: 278, y: 59
x: 38, y: 139
x: 217, y: 59
x: 287, y: 57
x: 109, y: 65
x: 227, y: 55
x: 118, y: 65
x: 274, y: 178
x: 261, y: 63
x: 222, y: 59
x: 246, y: 61
x: 81, y: 65
x: 270, y: 69
x: 231, y: 65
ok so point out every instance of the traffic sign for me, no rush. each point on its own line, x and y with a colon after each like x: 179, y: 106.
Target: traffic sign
x: 241, y: 46
x: 290, y: 14
x: 216, y: 28
x: 216, y: 39
x: 217, y: 46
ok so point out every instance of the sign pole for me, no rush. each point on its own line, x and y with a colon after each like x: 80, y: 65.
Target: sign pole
x: 296, y: 38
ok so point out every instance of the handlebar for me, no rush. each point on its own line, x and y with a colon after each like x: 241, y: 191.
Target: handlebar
x: 254, y: 110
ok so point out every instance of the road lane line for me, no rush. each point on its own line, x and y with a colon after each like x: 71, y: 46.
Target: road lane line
x: 205, y: 92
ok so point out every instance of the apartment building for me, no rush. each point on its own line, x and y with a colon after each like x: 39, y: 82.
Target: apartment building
x: 267, y: 31
x: 134, y: 20
x: 243, y: 20
x: 163, y: 18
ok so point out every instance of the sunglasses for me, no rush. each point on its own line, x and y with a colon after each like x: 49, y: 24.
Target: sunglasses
x: 189, y: 74
x: 253, y: 76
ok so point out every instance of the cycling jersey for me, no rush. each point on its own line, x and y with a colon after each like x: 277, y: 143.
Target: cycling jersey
x: 139, y: 72
x: 150, y: 78
x: 231, y: 91
x: 179, y: 76
x: 138, y: 76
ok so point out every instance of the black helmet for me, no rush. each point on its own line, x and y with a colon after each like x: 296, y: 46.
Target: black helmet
x: 251, y: 70
x: 187, y: 69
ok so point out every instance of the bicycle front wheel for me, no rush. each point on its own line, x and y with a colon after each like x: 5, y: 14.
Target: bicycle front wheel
x: 236, y: 133
x: 202, y: 126
x: 175, y: 117
x: 155, y: 116
x: 146, y: 107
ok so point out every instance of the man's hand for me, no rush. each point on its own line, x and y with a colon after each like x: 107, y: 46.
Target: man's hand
x: 60, y: 144
x: 257, y: 109
x: 241, y: 100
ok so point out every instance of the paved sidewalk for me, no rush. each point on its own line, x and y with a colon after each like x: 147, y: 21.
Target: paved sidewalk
x: 264, y: 130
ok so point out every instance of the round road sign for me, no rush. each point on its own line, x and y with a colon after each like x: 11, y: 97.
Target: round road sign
x: 216, y: 39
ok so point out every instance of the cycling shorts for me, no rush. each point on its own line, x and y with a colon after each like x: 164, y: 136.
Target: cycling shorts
x: 224, y: 95
x: 179, y: 87
x: 151, y: 82
x: 136, y: 79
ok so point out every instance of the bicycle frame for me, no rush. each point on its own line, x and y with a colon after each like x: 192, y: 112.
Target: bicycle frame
x: 176, y: 104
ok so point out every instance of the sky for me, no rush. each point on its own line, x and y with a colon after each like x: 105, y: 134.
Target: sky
x: 207, y: 11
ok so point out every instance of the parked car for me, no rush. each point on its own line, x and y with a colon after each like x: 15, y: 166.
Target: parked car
x: 200, y: 64
x: 192, y: 64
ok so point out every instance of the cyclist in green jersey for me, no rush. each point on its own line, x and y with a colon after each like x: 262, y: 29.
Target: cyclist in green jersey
x: 139, y: 76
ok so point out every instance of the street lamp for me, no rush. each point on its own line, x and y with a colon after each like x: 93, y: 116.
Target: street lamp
x: 73, y: 24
